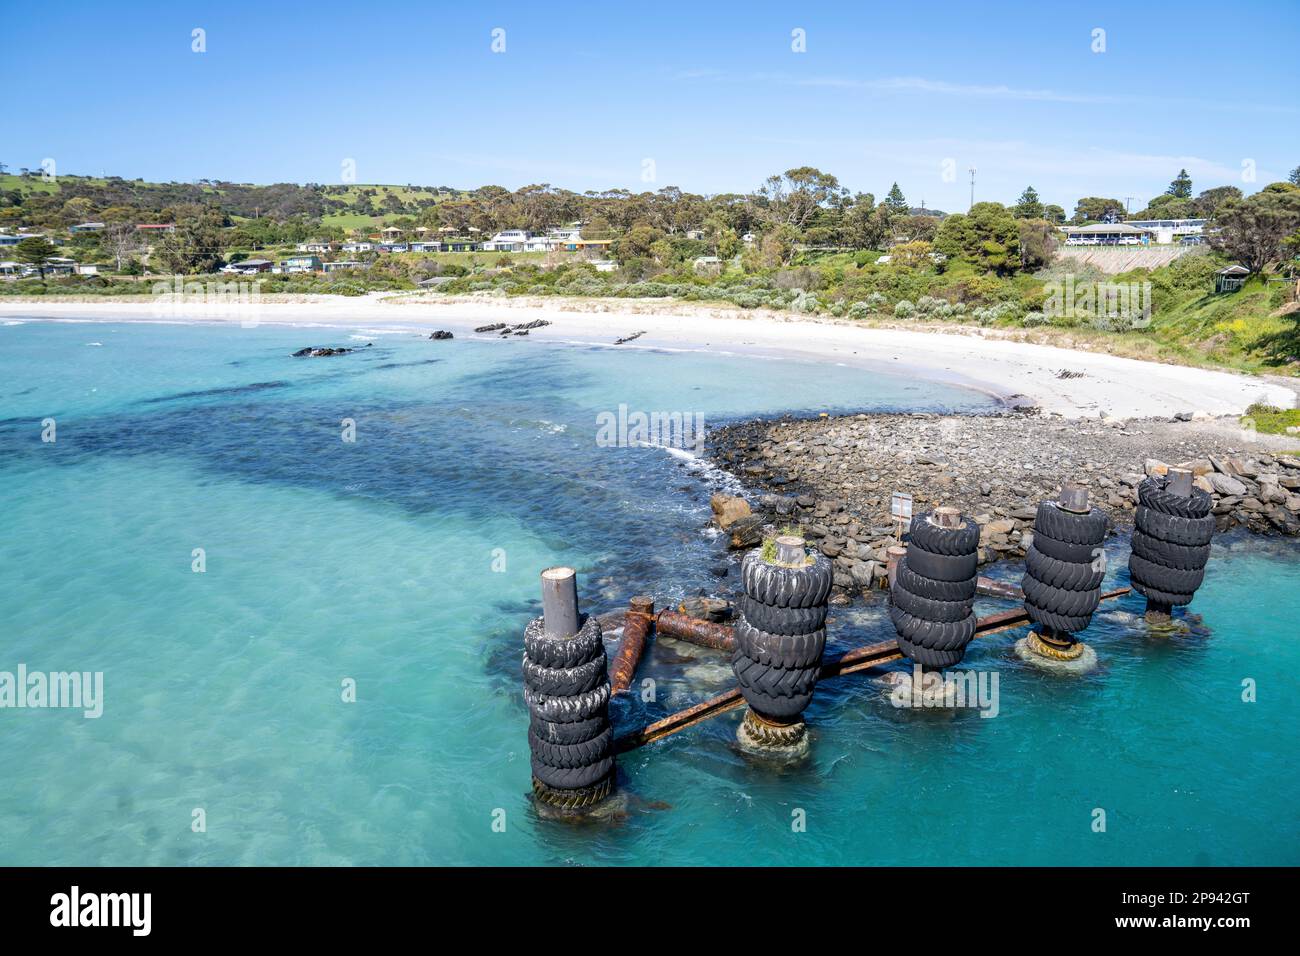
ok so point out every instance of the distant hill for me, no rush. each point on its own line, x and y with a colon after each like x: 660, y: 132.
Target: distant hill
x: 361, y: 204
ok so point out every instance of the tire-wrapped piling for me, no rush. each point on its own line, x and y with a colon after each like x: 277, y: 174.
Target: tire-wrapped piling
x: 780, y: 638
x: 1064, y: 567
x: 567, y: 690
x: 1171, y: 542
x: 932, y: 592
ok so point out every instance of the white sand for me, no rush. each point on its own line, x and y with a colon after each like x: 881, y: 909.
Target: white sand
x: 979, y: 358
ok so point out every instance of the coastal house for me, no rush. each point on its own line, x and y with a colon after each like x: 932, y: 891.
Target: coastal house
x: 392, y: 247
x: 85, y: 227
x: 343, y: 264
x: 315, y: 245
x: 597, y: 245
x: 88, y: 269
x: 604, y: 265
x: 156, y: 227
x: 60, y: 266
x: 358, y: 247
x: 301, y: 264
x: 10, y: 268
x: 429, y: 246
x: 509, y: 240
x: 460, y: 245
x: 11, y: 240
x: 1230, y: 279
x: 1171, y: 230
x: 1108, y: 234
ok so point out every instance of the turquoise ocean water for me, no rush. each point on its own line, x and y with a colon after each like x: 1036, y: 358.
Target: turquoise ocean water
x: 380, y: 560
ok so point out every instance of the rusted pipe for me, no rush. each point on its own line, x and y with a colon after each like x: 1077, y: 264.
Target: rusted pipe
x: 720, y: 637
x: 998, y: 589
x: 859, y: 659
x: 638, y: 623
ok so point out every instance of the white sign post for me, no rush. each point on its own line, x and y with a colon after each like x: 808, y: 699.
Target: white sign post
x: 900, y: 506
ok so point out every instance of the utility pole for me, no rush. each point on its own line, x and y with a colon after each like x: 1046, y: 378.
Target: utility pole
x: 1127, y: 200
x: 972, y: 188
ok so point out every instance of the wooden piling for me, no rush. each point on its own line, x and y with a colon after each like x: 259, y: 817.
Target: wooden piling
x: 638, y: 623
x: 560, y: 601
x: 1074, y: 498
x: 790, y: 550
x: 946, y: 517
x: 894, y: 554
x: 1180, y: 482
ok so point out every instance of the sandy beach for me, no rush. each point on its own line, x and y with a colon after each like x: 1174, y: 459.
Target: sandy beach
x: 1065, y: 382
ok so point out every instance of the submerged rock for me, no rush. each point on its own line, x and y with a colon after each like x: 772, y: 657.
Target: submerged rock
x: 320, y: 352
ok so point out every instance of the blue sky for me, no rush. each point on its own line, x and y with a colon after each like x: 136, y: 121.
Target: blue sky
x: 712, y: 93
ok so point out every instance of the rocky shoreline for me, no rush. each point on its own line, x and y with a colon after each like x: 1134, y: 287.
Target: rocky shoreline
x: 832, y: 478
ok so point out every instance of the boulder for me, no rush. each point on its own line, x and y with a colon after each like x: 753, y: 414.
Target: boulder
x: 728, y: 509
x: 746, y: 532
x: 706, y: 608
x: 1155, y: 468
x: 1225, y: 484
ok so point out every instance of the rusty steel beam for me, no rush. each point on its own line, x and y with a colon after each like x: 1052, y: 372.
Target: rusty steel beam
x: 720, y: 637
x: 638, y: 624
x: 851, y: 662
x: 998, y: 589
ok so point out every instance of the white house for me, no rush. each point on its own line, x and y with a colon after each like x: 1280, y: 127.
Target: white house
x: 358, y: 246
x: 314, y: 246
x: 1108, y: 234
x: 509, y: 240
x: 1170, y: 230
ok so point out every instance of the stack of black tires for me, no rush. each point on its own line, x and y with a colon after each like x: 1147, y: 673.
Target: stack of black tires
x: 566, y: 686
x: 1171, y: 543
x: 933, y: 592
x: 1064, y: 566
x: 781, y: 634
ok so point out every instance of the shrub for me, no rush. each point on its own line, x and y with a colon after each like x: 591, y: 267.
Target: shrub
x: 904, y: 309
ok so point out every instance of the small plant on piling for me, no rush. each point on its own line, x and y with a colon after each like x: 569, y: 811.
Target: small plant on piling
x: 768, y: 552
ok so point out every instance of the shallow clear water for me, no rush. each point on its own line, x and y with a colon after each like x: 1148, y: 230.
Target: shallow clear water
x: 374, y: 561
